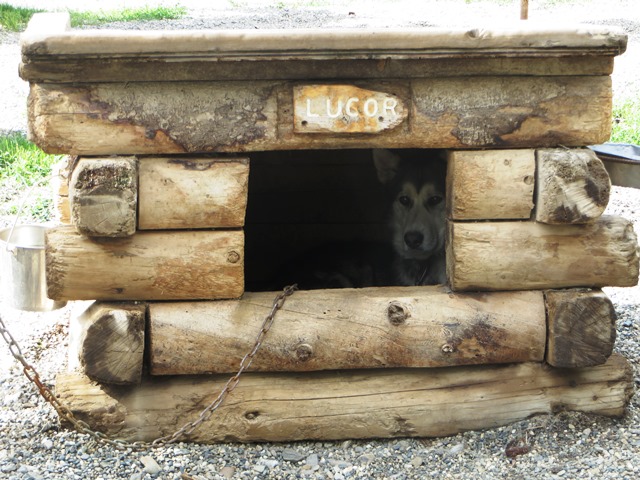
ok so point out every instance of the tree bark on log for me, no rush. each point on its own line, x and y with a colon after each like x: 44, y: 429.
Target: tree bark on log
x: 532, y: 255
x: 354, y: 404
x: 174, y: 265
x: 347, y: 329
x: 107, y: 342
x: 582, y: 328
x: 194, y: 117
x: 573, y: 186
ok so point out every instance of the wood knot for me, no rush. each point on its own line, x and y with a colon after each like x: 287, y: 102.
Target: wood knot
x: 397, y: 313
x: 447, y: 348
x: 233, y: 257
x: 304, y: 351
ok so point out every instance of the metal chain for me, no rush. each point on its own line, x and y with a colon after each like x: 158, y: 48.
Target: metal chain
x: 82, y: 427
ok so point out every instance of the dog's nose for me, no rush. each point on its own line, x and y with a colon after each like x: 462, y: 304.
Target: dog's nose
x: 413, y: 239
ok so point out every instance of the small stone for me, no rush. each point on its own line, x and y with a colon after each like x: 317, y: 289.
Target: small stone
x: 259, y: 468
x: 312, y: 460
x: 270, y: 463
x: 227, y: 472
x: 47, y: 443
x: 290, y: 455
x: 455, y: 450
x: 416, y: 462
x: 150, y: 465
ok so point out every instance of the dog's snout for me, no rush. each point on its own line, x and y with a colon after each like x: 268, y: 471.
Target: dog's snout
x: 413, y: 239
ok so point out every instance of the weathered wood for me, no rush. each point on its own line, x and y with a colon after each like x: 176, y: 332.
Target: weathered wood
x: 582, y: 328
x: 572, y: 186
x: 490, y: 184
x: 106, y: 342
x: 96, y: 69
x: 60, y: 190
x: 532, y: 255
x: 346, y: 329
x: 177, y: 265
x: 103, y: 194
x: 189, y: 192
x: 525, y: 39
x: 252, y: 116
x: 351, y: 404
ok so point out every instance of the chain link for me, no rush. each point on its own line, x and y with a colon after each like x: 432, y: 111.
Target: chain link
x: 65, y: 412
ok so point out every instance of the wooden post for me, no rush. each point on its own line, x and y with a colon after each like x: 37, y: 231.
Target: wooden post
x: 524, y: 9
x: 348, y: 404
x: 107, y: 342
x: 346, y: 329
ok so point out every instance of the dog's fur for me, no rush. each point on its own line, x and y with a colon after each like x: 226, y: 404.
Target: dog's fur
x: 416, y: 186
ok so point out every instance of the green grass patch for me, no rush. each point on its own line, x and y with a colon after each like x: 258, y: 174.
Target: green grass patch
x: 626, y: 122
x: 22, y: 162
x: 22, y: 165
x: 15, y: 19
x: 127, y: 15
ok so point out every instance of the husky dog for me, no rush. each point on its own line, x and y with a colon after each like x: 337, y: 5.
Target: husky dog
x: 416, y: 185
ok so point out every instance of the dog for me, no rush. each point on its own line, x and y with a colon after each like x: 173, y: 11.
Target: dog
x: 415, y: 181
x: 413, y: 253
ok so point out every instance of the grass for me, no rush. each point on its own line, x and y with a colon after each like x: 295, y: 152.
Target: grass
x: 23, y: 165
x: 15, y: 19
x: 22, y: 161
x: 626, y: 122
x: 127, y: 15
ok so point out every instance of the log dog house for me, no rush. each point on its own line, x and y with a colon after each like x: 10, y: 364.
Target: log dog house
x: 190, y: 151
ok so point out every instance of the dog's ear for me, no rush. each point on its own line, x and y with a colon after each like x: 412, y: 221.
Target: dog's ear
x: 386, y: 163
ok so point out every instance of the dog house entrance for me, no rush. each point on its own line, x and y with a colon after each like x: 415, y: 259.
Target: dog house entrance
x: 322, y: 218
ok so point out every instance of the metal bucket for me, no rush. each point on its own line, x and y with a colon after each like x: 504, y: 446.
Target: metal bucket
x: 22, y: 272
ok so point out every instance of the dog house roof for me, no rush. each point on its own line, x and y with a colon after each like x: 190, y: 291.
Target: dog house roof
x: 50, y: 38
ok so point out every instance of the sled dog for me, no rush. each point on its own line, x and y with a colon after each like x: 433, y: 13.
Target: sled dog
x: 415, y: 182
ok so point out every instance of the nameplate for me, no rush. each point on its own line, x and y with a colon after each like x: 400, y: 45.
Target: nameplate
x: 345, y: 109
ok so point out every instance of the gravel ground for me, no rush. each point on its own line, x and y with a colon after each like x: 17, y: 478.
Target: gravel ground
x: 566, y: 445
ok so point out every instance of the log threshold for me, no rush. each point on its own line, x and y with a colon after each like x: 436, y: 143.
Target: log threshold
x: 348, y: 405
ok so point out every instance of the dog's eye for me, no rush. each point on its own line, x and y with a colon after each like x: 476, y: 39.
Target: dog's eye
x: 404, y: 200
x: 435, y: 200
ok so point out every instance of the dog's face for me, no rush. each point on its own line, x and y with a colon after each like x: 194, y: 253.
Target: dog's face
x: 417, y: 188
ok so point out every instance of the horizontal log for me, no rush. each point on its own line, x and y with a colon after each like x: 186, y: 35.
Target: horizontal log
x: 354, y: 404
x: 490, y: 184
x: 103, y: 196
x: 573, y: 186
x: 582, y: 328
x: 192, y: 192
x: 252, y: 116
x: 347, y: 329
x: 531, y: 255
x: 179, y: 265
x: 107, y: 342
